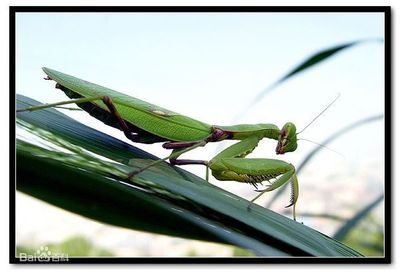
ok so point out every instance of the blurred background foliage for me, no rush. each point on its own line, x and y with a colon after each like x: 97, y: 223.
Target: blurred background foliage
x: 76, y: 246
x: 80, y: 246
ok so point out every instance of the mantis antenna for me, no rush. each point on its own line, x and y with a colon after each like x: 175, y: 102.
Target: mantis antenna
x: 316, y: 117
x: 321, y: 145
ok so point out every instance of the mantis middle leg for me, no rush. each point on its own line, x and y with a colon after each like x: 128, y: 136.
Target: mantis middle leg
x: 180, y: 148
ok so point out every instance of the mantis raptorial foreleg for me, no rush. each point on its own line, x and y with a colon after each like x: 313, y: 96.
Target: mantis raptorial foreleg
x: 231, y: 165
x: 285, y: 178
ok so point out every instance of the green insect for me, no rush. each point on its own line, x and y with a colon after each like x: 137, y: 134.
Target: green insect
x: 143, y: 122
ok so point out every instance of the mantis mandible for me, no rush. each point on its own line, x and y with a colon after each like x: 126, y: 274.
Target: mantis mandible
x: 143, y: 122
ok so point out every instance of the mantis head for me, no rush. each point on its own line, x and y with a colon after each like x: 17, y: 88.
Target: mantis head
x: 287, y: 140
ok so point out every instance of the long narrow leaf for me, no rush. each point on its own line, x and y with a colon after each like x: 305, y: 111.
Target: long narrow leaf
x: 105, y: 200
x: 351, y: 223
x: 308, y: 63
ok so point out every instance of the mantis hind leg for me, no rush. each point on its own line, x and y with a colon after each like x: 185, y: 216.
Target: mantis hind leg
x: 114, y: 119
x: 111, y: 118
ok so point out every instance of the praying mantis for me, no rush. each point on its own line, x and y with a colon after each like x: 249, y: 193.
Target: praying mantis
x: 142, y: 122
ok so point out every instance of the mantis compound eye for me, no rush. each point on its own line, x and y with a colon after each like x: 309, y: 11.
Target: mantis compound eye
x: 287, y: 140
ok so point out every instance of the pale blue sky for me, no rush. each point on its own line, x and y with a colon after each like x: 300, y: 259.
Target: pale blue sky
x: 156, y: 47
x: 209, y: 65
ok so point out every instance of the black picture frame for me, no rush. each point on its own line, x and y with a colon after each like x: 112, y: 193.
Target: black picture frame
x: 210, y: 9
